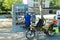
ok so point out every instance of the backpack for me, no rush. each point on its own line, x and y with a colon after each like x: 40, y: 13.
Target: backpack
x: 40, y: 23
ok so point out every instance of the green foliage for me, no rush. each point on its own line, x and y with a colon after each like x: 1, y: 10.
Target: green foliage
x: 55, y: 4
x: 7, y: 4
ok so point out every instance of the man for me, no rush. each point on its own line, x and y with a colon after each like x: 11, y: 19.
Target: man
x: 33, y: 19
x: 27, y: 18
x: 55, y: 21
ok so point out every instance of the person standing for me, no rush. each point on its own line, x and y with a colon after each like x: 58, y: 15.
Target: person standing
x: 27, y: 18
x: 54, y: 21
x: 33, y: 19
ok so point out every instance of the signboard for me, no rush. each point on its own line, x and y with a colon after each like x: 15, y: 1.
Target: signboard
x: 18, y: 11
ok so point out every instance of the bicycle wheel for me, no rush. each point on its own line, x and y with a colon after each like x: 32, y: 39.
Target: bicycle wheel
x: 30, y: 34
x: 51, y: 33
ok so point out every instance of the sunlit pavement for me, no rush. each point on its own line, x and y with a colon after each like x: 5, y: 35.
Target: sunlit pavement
x: 6, y: 34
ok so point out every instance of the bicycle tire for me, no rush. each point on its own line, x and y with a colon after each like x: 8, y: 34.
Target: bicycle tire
x: 31, y: 34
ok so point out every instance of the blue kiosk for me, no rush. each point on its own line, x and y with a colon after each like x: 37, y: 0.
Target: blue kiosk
x: 18, y: 10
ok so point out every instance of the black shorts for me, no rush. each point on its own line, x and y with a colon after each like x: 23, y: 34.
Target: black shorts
x: 27, y: 27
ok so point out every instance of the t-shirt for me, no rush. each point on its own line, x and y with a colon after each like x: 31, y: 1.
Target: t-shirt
x: 54, y: 21
x: 27, y: 19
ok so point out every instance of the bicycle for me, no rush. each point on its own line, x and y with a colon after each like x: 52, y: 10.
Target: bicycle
x: 31, y: 32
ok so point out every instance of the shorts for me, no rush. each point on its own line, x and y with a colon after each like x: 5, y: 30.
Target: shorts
x: 27, y: 27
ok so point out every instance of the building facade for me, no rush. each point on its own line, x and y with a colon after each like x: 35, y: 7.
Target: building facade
x: 32, y: 3
x: 34, y: 6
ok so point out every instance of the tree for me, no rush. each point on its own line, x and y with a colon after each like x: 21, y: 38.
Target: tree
x: 55, y: 4
x: 7, y: 4
x: 1, y: 1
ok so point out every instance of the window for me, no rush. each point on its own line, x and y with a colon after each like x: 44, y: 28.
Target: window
x: 35, y: 0
x: 58, y: 17
x: 35, y: 5
x: 43, y: 0
x: 50, y: 11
